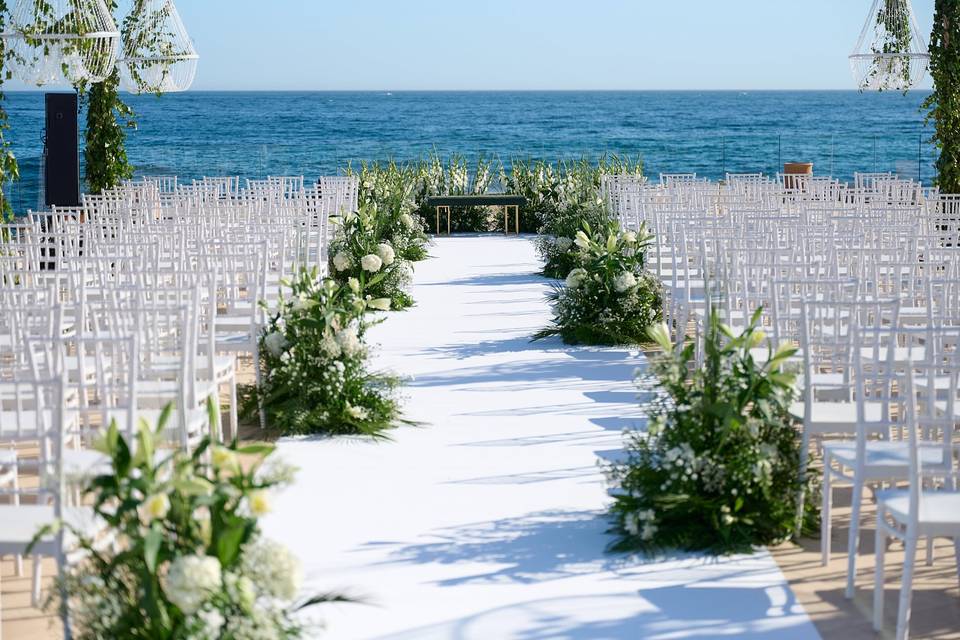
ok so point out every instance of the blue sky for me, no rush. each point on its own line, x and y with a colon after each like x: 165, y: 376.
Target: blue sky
x: 526, y: 44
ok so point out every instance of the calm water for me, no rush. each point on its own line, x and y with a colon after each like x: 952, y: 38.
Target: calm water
x: 258, y: 134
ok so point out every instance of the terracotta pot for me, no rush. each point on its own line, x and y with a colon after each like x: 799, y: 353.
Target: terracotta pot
x: 795, y: 169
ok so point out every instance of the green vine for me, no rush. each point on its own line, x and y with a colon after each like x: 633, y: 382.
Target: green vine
x: 944, y: 102
x: 108, y: 116
x: 9, y: 169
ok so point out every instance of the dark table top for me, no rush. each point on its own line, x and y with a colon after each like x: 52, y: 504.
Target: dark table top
x: 496, y: 199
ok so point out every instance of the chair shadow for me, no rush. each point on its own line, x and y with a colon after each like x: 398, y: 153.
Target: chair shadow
x: 675, y: 611
x: 493, y: 280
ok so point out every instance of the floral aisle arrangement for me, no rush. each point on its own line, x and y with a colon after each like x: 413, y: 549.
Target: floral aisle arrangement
x: 316, y: 373
x: 608, y: 299
x: 362, y: 250
x: 388, y: 191
x: 188, y: 560
x: 718, y: 466
x: 558, y: 190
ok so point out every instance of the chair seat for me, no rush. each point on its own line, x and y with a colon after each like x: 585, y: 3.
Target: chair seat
x: 21, y: 523
x: 885, y: 456
x: 937, y: 508
x: 900, y: 354
x: 836, y: 417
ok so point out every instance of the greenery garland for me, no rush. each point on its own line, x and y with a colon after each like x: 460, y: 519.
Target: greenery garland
x: 9, y: 169
x: 105, y: 152
x: 944, y: 101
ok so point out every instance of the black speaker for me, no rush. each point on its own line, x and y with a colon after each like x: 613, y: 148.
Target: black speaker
x: 62, y: 151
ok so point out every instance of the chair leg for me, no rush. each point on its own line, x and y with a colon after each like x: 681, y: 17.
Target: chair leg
x: 879, y: 570
x: 234, y: 423
x: 929, y: 558
x: 906, y: 588
x: 259, y: 375
x: 956, y: 551
x: 35, y: 582
x: 802, y: 493
x: 826, y: 521
x: 853, y: 544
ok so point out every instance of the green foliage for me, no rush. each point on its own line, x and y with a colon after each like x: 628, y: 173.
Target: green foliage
x: 105, y: 152
x: 718, y: 466
x: 608, y: 298
x: 187, y: 560
x: 362, y: 250
x: 388, y: 190
x: 9, y: 169
x: 944, y: 102
x: 316, y: 377
x: 550, y: 189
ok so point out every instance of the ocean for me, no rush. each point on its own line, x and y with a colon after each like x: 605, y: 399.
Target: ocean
x: 255, y: 134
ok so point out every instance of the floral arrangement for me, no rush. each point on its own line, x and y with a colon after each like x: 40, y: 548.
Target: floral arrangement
x: 316, y: 377
x: 363, y: 251
x: 608, y: 299
x: 557, y: 190
x: 387, y: 190
x: 718, y: 466
x: 188, y: 560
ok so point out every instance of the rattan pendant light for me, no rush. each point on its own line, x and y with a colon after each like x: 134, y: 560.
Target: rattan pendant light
x: 62, y: 41
x: 158, y: 55
x: 891, y: 54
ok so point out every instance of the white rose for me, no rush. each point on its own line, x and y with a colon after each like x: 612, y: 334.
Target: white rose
x: 349, y: 341
x: 191, y: 580
x: 380, y: 304
x: 371, y: 262
x: 275, y: 343
x: 330, y: 346
x: 386, y: 253
x: 576, y: 278
x: 358, y: 413
x: 341, y: 261
x: 624, y: 282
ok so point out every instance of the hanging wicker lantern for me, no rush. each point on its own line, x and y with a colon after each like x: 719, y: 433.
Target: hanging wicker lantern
x: 62, y: 41
x: 891, y: 54
x: 158, y: 55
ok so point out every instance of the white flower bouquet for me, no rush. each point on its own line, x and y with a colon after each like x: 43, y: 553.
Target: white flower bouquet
x: 608, y: 298
x: 718, y: 467
x: 188, y: 560
x: 316, y: 377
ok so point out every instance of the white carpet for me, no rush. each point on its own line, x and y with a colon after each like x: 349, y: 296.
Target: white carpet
x: 487, y: 522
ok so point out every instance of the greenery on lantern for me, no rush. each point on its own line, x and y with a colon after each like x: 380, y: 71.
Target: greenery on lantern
x: 608, y: 298
x: 316, y: 377
x: 150, y: 50
x: 944, y: 102
x: 718, y: 467
x: 187, y: 560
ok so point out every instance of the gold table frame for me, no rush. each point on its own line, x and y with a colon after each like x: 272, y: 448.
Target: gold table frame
x: 445, y: 208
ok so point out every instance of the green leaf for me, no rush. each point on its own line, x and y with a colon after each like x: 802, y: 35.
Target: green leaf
x: 151, y: 546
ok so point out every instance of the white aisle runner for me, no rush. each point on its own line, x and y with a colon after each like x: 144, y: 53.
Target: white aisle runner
x: 487, y: 522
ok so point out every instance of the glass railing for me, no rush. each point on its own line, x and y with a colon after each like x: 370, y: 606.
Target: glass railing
x: 910, y: 155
